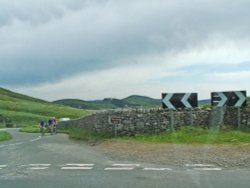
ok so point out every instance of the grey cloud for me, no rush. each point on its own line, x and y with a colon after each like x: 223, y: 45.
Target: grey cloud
x: 35, y: 12
x: 102, y: 33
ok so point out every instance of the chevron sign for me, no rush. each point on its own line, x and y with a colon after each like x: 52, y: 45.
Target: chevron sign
x: 231, y: 98
x: 179, y: 100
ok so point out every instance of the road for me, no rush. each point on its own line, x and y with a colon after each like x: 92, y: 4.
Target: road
x: 29, y: 161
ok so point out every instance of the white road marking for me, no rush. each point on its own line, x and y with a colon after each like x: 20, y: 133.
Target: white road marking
x: 127, y: 165
x: 75, y: 166
x: 208, y: 169
x: 38, y: 138
x: 18, y: 143
x: 124, y: 168
x: 200, y: 165
x: 2, y: 166
x: 37, y: 165
x: 158, y: 169
x: 38, y: 168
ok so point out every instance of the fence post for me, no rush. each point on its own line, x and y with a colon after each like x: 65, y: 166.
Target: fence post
x: 238, y: 117
x: 172, y: 120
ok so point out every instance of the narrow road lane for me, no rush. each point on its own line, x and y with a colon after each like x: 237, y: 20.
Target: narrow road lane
x: 30, y: 161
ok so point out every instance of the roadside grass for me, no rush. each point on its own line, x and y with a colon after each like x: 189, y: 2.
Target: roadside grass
x: 191, y: 135
x: 186, y: 135
x: 85, y: 135
x: 4, y: 136
x: 30, y: 129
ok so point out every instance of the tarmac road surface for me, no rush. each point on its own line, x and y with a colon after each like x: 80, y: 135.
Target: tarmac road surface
x: 32, y: 161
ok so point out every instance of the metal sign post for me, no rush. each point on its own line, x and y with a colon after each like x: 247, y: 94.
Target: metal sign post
x: 232, y: 98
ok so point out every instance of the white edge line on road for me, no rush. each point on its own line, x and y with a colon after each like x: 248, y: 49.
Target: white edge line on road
x: 74, y: 164
x: 3, y: 166
x: 208, y: 169
x: 200, y: 165
x: 119, y: 168
x: 158, y: 169
x: 77, y: 168
x: 126, y: 165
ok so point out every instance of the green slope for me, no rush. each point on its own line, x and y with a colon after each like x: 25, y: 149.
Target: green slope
x: 142, y: 101
x: 21, y: 110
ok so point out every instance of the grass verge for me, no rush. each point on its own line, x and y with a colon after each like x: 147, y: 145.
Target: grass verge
x: 85, y: 135
x: 4, y: 136
x: 186, y: 135
x: 191, y: 135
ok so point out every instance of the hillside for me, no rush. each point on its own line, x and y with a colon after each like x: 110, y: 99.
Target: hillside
x: 21, y: 110
x: 110, y: 103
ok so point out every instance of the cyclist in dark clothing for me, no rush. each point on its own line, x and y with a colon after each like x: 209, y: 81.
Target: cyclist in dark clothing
x: 42, y: 127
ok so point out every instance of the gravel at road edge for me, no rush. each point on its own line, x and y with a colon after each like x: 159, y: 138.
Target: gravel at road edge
x: 222, y: 155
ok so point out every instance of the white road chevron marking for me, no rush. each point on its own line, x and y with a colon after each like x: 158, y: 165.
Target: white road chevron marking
x: 223, y: 99
x: 167, y: 102
x: 241, y: 100
x: 184, y: 100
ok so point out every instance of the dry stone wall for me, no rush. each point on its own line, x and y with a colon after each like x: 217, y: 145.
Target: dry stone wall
x: 134, y: 121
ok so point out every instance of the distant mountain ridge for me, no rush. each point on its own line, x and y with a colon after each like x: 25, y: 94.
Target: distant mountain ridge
x: 111, y: 103
x: 133, y: 101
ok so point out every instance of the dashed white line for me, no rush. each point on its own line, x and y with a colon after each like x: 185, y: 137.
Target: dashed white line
x: 77, y: 168
x: 15, y: 144
x: 127, y: 165
x: 122, y: 167
x: 158, y: 169
x: 200, y: 165
x: 208, y: 169
x: 2, y: 166
x: 74, y: 166
x: 37, y: 166
x: 203, y: 167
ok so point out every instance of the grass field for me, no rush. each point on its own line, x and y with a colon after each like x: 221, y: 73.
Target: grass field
x: 4, y: 136
x: 20, y: 110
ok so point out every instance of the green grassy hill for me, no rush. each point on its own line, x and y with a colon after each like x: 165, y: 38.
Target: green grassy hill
x: 21, y: 110
x: 110, y: 103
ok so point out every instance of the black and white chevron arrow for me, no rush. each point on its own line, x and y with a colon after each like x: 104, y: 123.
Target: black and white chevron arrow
x: 179, y: 100
x: 231, y: 98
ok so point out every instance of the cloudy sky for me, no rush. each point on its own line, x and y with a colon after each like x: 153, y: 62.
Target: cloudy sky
x: 92, y: 49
